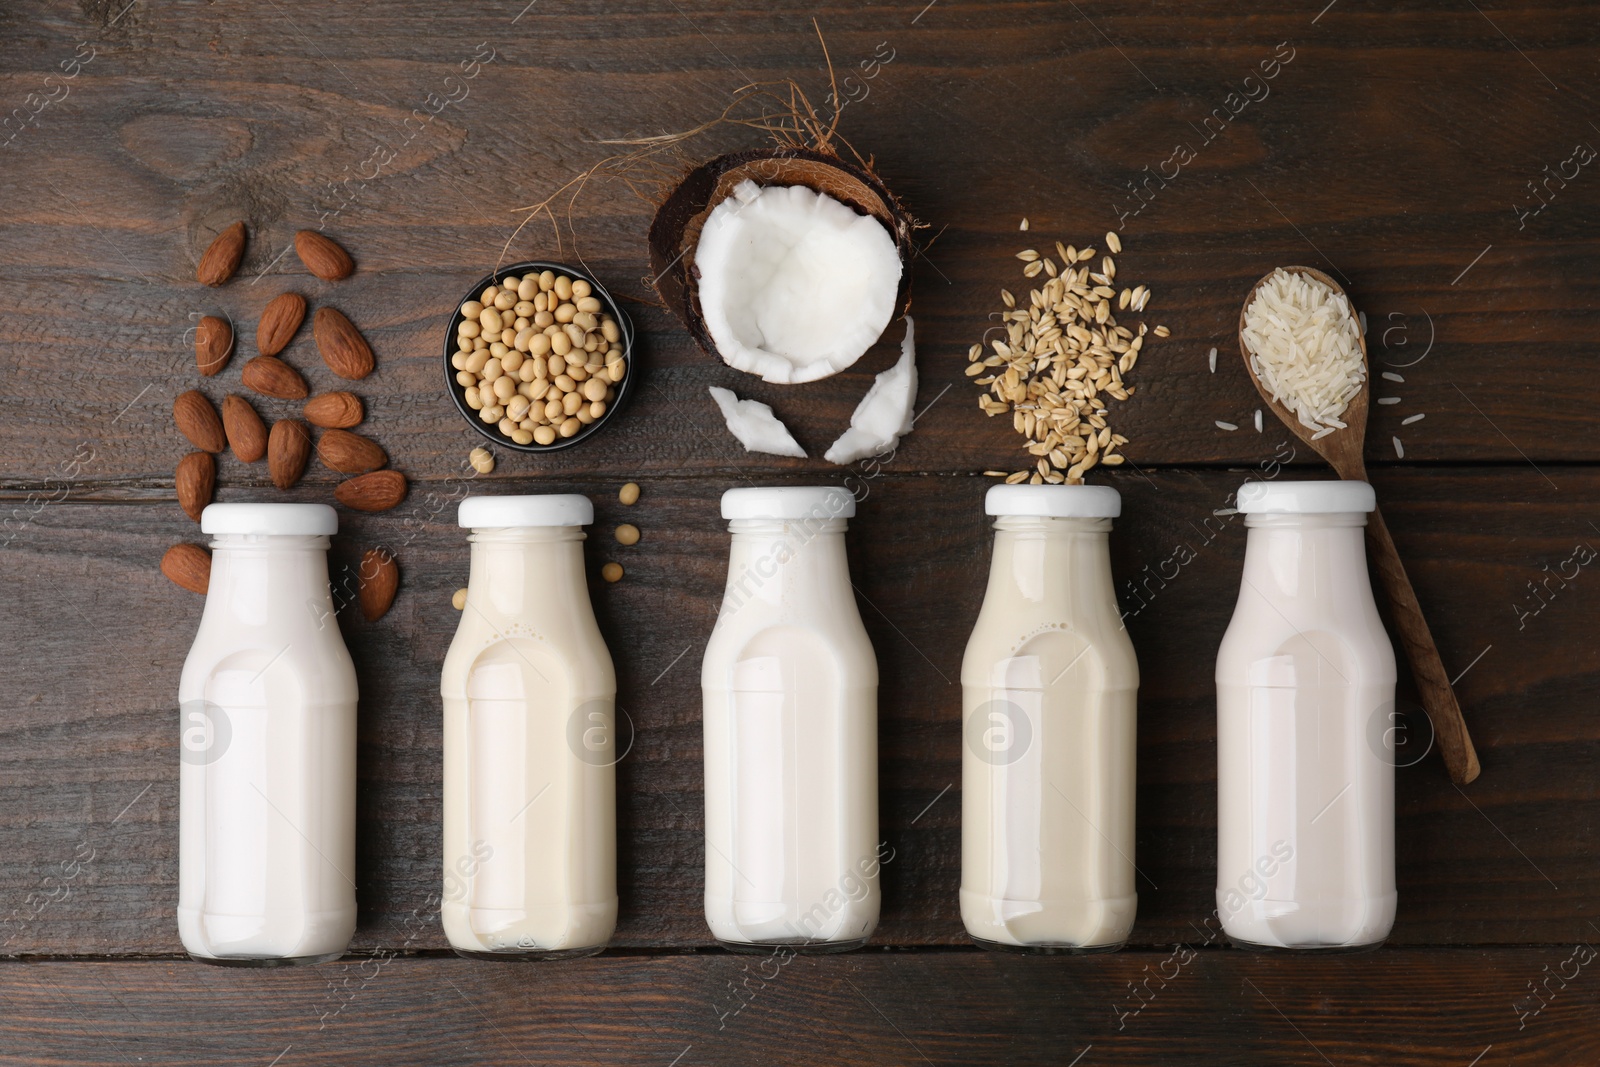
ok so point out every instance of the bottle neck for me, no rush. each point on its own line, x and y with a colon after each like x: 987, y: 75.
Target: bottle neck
x: 1041, y: 559
x: 269, y: 580
x: 781, y: 561
x: 1299, y: 556
x: 518, y: 570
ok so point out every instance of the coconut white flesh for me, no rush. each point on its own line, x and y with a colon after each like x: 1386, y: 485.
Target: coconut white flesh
x: 754, y: 424
x: 884, y: 414
x: 794, y: 286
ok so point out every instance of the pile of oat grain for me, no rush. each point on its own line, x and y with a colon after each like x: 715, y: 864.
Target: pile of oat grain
x: 1062, y: 355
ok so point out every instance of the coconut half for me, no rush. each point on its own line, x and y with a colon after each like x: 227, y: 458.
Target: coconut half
x: 885, y: 414
x: 794, y: 286
x: 756, y: 427
x: 789, y: 282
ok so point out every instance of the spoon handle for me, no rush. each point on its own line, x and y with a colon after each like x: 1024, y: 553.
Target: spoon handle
x: 1433, y: 684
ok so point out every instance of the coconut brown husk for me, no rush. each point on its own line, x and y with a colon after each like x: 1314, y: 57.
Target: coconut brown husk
x: 675, y: 231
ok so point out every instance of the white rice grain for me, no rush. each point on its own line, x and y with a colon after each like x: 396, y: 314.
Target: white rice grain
x: 1409, y: 419
x: 1304, y: 348
x: 1225, y: 425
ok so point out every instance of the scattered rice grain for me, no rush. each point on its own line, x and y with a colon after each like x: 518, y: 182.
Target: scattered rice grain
x: 1409, y: 419
x: 1391, y: 376
x: 1225, y: 425
x: 1213, y: 360
x: 1259, y: 428
x: 1388, y: 400
x: 1399, y: 449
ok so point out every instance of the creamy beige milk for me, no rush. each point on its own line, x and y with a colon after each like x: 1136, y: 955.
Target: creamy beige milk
x: 529, y: 741
x: 1305, y: 754
x: 1049, y: 685
x: 790, y: 687
x: 266, y: 837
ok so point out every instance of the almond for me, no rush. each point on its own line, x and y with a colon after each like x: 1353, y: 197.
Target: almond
x: 378, y: 491
x: 222, y: 258
x: 323, y: 256
x: 343, y: 348
x: 213, y: 344
x: 350, y: 453
x: 334, y: 411
x: 378, y: 580
x: 288, y: 450
x: 247, y: 434
x: 197, y: 420
x: 189, y: 566
x: 271, y: 376
x: 278, y: 323
x: 196, y: 481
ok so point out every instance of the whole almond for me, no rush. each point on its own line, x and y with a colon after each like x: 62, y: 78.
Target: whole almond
x: 196, y: 480
x: 334, y: 411
x: 343, y: 348
x: 378, y: 491
x: 197, y: 420
x: 278, y: 323
x: 213, y: 344
x: 350, y: 453
x: 222, y: 258
x: 247, y: 434
x: 378, y: 580
x: 323, y: 256
x: 188, y: 566
x: 271, y: 376
x: 288, y: 450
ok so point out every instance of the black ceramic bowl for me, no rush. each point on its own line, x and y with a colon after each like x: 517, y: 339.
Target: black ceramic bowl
x: 608, y: 305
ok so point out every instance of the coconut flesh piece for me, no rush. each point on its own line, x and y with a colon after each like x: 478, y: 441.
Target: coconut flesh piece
x: 754, y: 424
x: 884, y: 414
x: 794, y: 286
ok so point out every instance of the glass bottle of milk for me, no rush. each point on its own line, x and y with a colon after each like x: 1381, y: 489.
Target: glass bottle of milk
x: 1049, y: 685
x: 267, y: 787
x: 530, y: 854
x: 790, y: 689
x: 1305, y: 748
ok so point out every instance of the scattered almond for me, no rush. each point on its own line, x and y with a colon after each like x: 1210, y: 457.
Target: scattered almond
x: 196, y: 481
x: 378, y: 491
x: 343, y: 348
x: 271, y: 376
x: 323, y: 256
x: 197, y: 420
x: 213, y: 344
x: 188, y: 566
x: 247, y: 434
x: 222, y: 258
x: 288, y: 450
x: 279, y: 322
x: 334, y: 411
x: 378, y: 580
x: 350, y: 453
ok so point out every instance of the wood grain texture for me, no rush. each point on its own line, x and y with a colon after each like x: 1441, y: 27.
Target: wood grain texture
x: 1391, y: 150
x: 1402, y: 151
x: 90, y: 751
x: 1181, y: 1005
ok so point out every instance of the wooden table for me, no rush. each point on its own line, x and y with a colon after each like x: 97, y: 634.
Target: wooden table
x: 1403, y: 152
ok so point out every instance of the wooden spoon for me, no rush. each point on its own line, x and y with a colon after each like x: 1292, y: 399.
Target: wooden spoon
x: 1343, y: 450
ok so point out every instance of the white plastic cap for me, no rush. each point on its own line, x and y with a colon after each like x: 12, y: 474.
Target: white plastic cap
x: 490, y: 512
x: 1054, y: 501
x: 295, y: 520
x: 1305, y: 498
x: 789, y: 502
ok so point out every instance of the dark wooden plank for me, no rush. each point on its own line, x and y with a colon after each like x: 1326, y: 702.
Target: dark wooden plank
x: 95, y: 638
x: 1392, y: 1008
x: 1357, y: 162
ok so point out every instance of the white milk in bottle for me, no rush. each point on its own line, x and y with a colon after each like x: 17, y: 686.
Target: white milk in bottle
x: 267, y: 788
x: 1049, y: 685
x: 1305, y: 758
x: 790, y: 689
x: 530, y: 854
